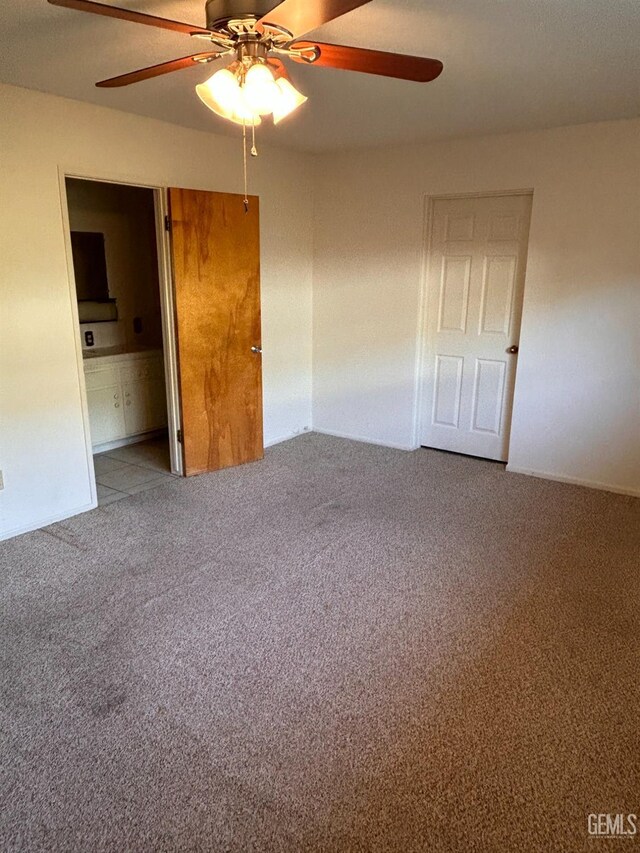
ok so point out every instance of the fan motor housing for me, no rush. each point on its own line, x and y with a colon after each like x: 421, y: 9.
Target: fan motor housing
x: 220, y: 12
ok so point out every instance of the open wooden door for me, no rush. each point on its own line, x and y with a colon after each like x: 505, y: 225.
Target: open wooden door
x: 216, y: 267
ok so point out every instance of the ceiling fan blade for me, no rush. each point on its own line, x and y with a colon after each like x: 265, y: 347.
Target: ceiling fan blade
x: 417, y: 68
x: 128, y: 15
x: 302, y: 16
x: 157, y: 70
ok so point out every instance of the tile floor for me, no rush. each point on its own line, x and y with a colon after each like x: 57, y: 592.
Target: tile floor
x: 132, y: 469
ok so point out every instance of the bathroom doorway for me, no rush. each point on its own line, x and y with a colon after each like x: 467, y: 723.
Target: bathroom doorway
x: 116, y: 239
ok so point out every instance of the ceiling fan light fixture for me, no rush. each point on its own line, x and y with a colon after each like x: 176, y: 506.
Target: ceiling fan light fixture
x: 288, y: 101
x: 243, y: 96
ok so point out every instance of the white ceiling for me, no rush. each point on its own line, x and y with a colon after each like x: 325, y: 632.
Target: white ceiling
x: 509, y: 65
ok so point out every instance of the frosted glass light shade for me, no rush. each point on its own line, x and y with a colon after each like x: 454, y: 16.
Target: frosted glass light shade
x: 223, y: 87
x: 260, y: 89
x: 288, y: 101
x: 222, y: 94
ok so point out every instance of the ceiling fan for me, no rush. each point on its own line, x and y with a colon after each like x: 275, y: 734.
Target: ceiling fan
x: 255, y: 33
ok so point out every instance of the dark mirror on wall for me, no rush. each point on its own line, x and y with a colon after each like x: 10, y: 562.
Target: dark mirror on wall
x: 90, y: 266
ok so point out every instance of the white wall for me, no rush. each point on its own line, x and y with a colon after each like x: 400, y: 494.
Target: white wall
x: 577, y: 402
x: 42, y: 444
x: 577, y: 406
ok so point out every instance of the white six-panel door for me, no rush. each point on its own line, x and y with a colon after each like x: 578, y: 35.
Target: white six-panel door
x: 476, y: 269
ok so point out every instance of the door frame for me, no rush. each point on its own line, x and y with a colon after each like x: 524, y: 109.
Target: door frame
x: 167, y: 309
x: 169, y: 331
x: 422, y: 368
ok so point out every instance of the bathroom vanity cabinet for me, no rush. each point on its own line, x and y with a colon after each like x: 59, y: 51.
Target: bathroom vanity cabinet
x: 126, y: 396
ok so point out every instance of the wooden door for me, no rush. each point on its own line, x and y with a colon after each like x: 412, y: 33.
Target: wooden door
x: 216, y: 266
x: 477, y: 260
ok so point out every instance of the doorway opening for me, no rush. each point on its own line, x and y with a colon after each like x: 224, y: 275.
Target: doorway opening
x: 474, y: 287
x: 116, y: 246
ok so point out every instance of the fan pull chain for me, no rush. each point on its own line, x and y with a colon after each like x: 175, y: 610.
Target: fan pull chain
x: 244, y: 157
x: 254, y: 153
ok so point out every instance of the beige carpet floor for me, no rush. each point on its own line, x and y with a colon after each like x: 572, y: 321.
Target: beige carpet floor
x: 343, y: 648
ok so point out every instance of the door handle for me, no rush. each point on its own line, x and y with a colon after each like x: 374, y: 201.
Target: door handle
x: 513, y: 350
x: 256, y: 350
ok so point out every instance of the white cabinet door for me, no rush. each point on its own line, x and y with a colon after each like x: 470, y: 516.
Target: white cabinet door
x: 477, y: 260
x: 145, y: 405
x: 106, y: 414
x: 126, y: 398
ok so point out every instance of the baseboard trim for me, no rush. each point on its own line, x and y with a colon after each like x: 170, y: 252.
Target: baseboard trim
x: 272, y: 442
x: 574, y: 481
x: 365, y: 440
x: 127, y: 441
x: 45, y: 522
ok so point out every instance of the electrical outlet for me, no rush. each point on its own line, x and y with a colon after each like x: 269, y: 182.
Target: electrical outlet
x: 1, y: 481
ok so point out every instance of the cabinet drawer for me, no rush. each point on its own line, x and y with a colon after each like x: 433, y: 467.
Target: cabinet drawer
x: 144, y: 368
x: 101, y: 377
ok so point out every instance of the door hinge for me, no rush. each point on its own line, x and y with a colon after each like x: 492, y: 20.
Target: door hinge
x: 179, y: 435
x: 167, y: 223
